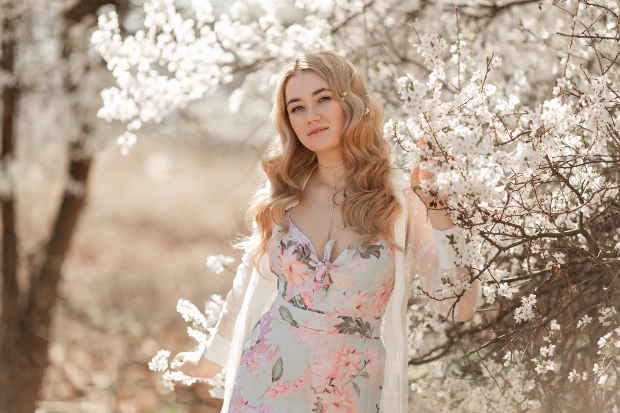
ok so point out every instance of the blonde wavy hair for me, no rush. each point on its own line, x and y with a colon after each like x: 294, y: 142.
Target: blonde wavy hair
x: 369, y: 205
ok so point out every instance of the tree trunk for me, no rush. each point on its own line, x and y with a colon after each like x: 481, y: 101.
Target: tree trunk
x: 9, y: 318
x: 36, y: 324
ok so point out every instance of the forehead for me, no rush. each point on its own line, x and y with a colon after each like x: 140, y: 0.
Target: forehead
x: 303, y: 84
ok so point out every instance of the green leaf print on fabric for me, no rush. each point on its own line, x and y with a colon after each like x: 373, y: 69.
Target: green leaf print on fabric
x: 302, y: 251
x: 357, y: 388
x: 371, y: 250
x: 287, y: 316
x: 298, y: 302
x: 352, y: 325
x: 303, y: 254
x: 277, y: 370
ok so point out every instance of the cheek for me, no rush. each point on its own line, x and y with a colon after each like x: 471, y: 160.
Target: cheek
x: 297, y: 126
x: 339, y: 115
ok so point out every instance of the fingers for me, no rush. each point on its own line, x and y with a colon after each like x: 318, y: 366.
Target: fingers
x: 178, y: 361
x: 176, y: 364
x: 415, y: 179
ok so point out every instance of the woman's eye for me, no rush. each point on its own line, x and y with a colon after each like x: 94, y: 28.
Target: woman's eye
x: 324, y: 98
x: 295, y: 109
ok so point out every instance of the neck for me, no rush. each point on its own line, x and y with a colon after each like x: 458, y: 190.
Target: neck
x: 327, y: 167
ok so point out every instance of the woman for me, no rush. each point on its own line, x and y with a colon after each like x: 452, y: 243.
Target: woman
x: 338, y: 235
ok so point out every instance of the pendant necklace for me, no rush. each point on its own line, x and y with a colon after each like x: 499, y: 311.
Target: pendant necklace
x: 331, y: 215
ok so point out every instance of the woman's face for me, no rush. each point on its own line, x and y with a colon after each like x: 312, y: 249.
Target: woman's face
x: 314, y: 112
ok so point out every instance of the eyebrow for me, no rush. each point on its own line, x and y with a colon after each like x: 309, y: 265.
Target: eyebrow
x: 316, y: 92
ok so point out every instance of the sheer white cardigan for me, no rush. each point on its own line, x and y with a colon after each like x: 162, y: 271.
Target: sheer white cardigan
x: 425, y: 253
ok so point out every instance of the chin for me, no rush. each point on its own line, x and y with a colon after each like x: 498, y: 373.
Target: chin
x: 323, y: 147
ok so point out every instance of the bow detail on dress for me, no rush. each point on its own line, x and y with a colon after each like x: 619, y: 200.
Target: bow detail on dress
x: 322, y: 278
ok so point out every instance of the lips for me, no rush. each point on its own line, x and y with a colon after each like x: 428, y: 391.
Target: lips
x: 316, y: 130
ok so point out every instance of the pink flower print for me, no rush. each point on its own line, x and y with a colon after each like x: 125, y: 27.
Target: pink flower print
x: 240, y: 405
x: 338, y: 400
x: 273, y: 267
x: 359, y: 300
x: 274, y: 355
x: 261, y: 347
x: 303, y: 335
x: 315, y: 287
x: 350, y: 305
x: 381, y: 296
x: 296, y: 385
x: 372, y: 366
x: 253, y: 362
x: 341, y: 278
x: 329, y: 318
x: 389, y: 248
x: 260, y: 358
x: 293, y: 270
x: 266, y: 408
x: 347, y: 364
x: 276, y: 389
x: 265, y: 326
x: 280, y: 387
x: 307, y: 299
x: 323, y: 370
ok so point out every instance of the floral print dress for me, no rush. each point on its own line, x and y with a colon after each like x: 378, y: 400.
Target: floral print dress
x: 317, y: 349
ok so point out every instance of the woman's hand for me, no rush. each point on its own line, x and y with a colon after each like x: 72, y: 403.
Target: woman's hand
x: 436, y: 215
x: 194, y: 365
x: 417, y: 176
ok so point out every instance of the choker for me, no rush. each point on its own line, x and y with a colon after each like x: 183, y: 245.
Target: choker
x: 330, y: 168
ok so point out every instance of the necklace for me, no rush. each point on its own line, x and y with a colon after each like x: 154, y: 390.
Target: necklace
x: 331, y: 215
x: 329, y: 167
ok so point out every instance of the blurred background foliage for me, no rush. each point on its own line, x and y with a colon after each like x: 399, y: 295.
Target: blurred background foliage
x: 148, y: 223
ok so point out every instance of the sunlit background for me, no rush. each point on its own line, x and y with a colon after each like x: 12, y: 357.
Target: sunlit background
x: 156, y: 209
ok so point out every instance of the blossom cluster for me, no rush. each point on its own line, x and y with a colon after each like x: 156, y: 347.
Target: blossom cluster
x: 217, y: 263
x: 175, y: 60
x: 201, y: 329
x: 531, y: 186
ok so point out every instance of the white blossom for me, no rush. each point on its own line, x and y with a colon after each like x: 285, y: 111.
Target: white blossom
x: 525, y: 312
x: 603, y: 340
x: 554, y: 325
x: 507, y: 291
x: 573, y: 375
x: 197, y: 335
x: 489, y: 293
x: 217, y: 263
x: 160, y: 361
x: 584, y: 321
x: 191, y: 313
x: 547, y: 351
x: 607, y: 313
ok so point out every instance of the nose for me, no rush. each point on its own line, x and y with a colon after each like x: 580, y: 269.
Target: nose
x: 312, y: 114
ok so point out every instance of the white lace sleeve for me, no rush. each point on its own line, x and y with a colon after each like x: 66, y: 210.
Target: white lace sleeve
x: 218, y: 349
x: 432, y: 255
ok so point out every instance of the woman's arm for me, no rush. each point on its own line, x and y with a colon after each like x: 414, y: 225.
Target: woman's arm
x: 219, y: 347
x: 216, y: 354
x: 433, y: 240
